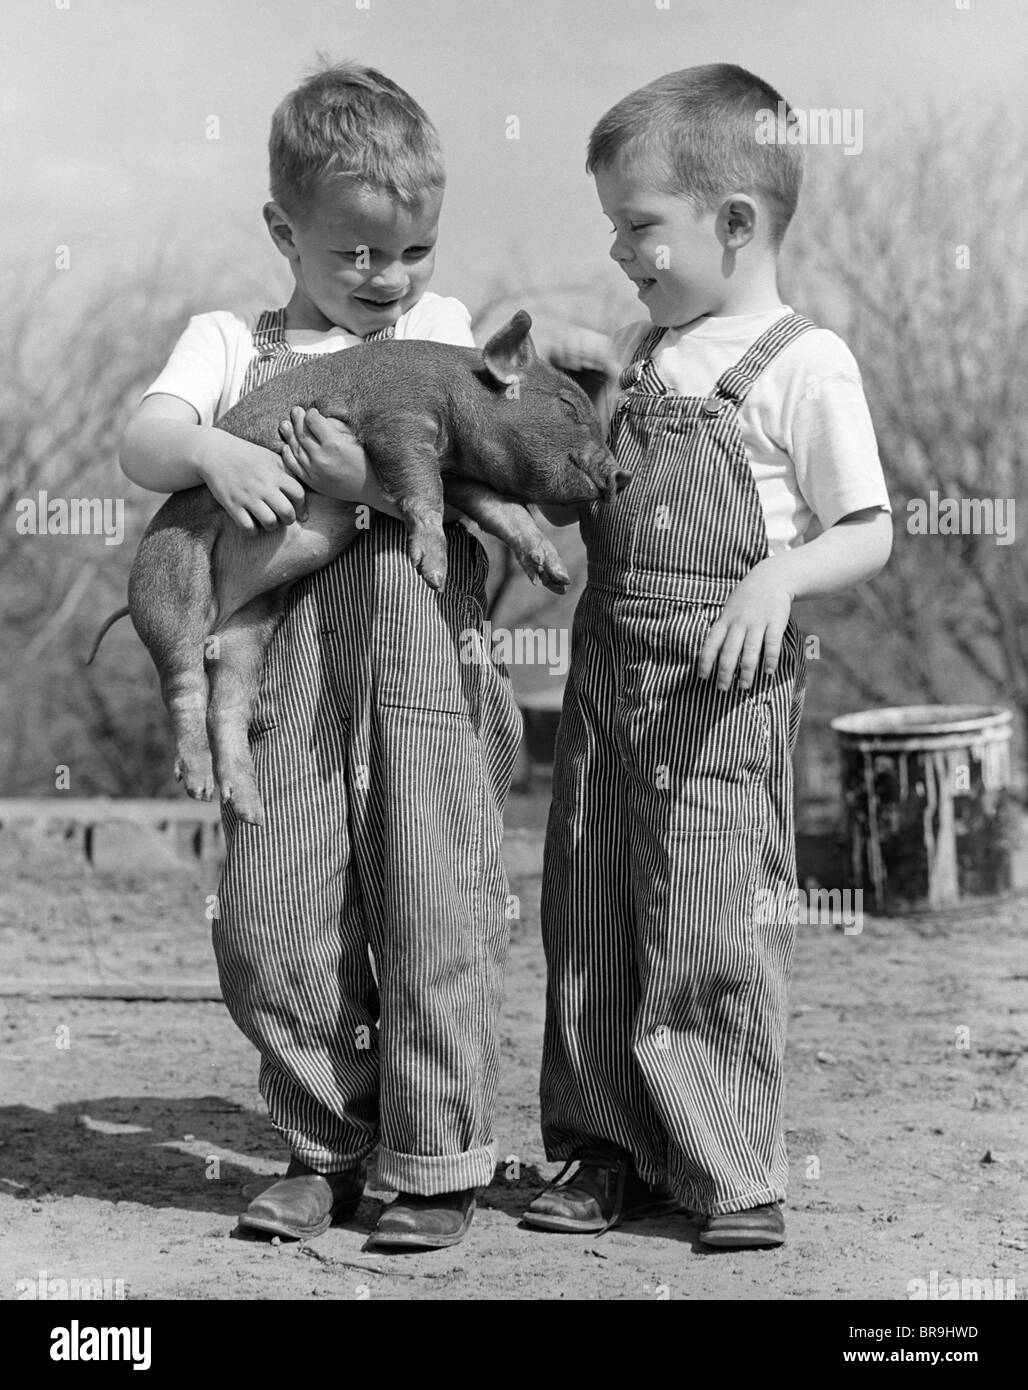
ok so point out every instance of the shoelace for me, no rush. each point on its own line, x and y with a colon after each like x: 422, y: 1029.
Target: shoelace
x: 598, y: 1159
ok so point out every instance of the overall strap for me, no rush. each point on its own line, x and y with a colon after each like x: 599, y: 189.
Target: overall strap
x: 272, y: 353
x: 734, y: 384
x: 641, y: 371
x: 270, y: 333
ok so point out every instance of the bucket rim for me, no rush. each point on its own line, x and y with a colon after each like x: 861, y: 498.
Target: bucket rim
x: 911, y: 722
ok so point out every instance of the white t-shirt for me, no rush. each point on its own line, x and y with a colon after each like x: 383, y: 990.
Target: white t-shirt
x: 805, y: 421
x: 208, y: 363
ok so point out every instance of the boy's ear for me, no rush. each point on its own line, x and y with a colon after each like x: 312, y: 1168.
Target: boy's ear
x: 280, y: 226
x: 737, y: 221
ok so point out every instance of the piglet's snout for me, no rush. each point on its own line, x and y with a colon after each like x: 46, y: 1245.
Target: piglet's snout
x: 600, y: 467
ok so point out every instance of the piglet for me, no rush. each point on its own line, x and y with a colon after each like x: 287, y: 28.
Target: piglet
x: 437, y: 422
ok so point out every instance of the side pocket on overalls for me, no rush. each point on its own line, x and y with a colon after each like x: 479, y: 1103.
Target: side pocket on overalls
x: 424, y: 642
x: 799, y: 685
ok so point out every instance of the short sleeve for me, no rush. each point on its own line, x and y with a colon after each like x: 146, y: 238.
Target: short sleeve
x: 830, y: 437
x: 201, y: 364
x: 438, y: 320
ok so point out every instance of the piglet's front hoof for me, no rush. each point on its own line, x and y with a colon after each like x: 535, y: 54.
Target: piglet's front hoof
x: 245, y: 801
x: 434, y: 578
x: 198, y: 778
x: 543, y: 562
x: 556, y: 579
x: 430, y: 563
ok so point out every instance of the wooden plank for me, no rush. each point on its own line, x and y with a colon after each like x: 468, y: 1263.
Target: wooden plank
x: 92, y: 810
x: 158, y: 991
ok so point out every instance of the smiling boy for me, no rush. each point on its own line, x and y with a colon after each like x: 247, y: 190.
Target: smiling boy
x: 671, y: 821
x: 382, y: 759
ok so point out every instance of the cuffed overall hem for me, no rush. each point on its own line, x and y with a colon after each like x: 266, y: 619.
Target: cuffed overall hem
x: 324, y: 1160
x: 428, y: 1175
x: 760, y: 1197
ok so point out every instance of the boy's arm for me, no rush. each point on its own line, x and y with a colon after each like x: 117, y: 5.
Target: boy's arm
x: 166, y: 449
x: 824, y: 426
x: 757, y: 612
x: 847, y: 554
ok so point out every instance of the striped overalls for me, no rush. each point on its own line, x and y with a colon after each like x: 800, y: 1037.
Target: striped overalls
x: 671, y: 827
x: 384, y: 763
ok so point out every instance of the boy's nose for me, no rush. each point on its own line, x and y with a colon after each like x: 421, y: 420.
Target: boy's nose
x: 619, y: 252
x: 393, y: 277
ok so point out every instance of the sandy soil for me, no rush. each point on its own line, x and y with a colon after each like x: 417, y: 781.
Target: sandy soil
x: 907, y: 1135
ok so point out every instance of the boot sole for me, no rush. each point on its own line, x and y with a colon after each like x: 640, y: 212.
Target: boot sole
x: 412, y: 1241
x: 743, y: 1240
x: 267, y: 1225
x: 415, y: 1240
x: 567, y: 1225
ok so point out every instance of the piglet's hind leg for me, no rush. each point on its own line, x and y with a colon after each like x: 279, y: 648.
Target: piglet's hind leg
x: 235, y: 661
x: 170, y: 602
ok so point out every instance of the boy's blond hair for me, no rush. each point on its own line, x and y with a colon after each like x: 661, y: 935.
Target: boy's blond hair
x: 349, y: 121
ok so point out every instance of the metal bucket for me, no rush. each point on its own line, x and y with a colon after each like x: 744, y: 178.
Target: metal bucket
x: 928, y: 804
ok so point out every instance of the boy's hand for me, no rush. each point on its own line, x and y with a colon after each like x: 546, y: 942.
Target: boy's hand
x: 252, y: 486
x: 576, y: 349
x: 754, y: 618
x: 164, y: 450
x: 757, y: 611
x: 323, y: 454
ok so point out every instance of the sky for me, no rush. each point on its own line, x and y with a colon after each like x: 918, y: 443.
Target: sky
x: 107, y: 105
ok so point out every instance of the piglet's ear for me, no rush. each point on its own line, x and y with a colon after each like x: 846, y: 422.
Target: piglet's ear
x: 510, y: 352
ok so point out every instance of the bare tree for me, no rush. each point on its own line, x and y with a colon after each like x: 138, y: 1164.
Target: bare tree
x: 916, y: 256
x: 77, y: 357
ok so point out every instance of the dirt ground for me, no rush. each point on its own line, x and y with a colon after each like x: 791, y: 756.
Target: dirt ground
x: 132, y: 1133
